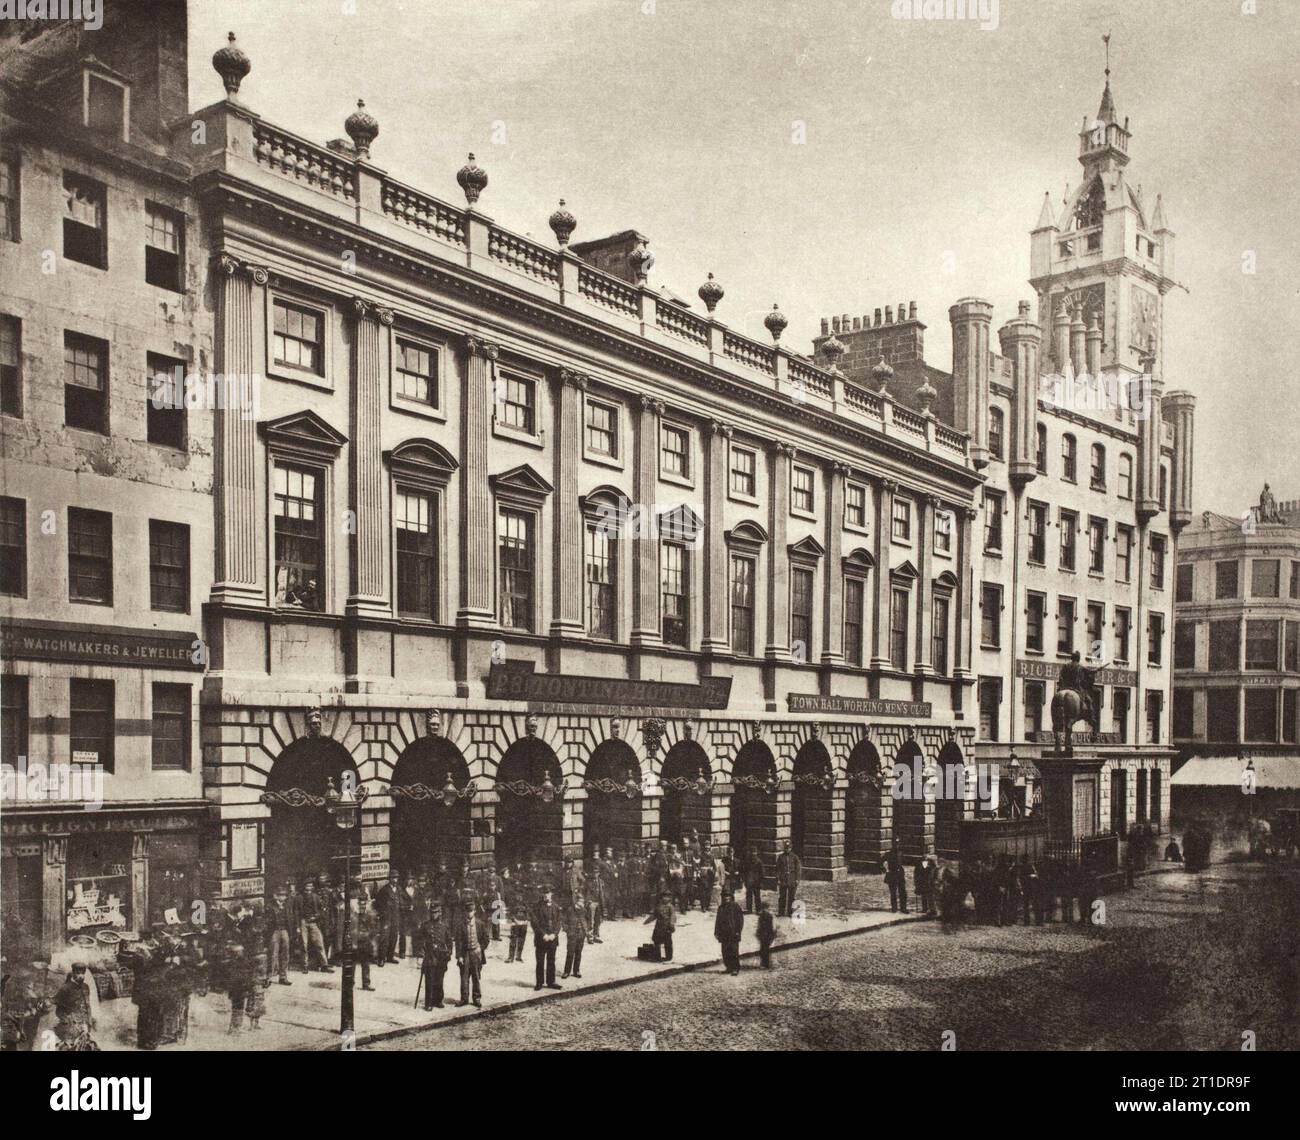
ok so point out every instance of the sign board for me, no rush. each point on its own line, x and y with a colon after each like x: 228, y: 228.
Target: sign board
x: 516, y: 681
x: 1264, y: 682
x: 241, y: 888
x: 82, y: 757
x: 857, y: 706
x: 374, y: 870
x: 1032, y: 670
x: 372, y: 853
x: 100, y: 645
x: 1078, y: 738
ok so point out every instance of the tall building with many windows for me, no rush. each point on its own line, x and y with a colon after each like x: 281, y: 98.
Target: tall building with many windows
x: 105, y: 491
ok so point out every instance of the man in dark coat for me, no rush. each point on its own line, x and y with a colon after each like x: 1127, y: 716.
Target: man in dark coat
x: 727, y: 929
x: 665, y: 925
x: 388, y: 904
x: 471, y: 936
x: 547, y: 923
x: 314, y: 920
x: 434, y: 941
x: 365, y: 935
x: 896, y: 878
x: 925, y: 877
x: 293, y: 921
x: 72, y: 1006
x: 754, y: 881
x: 576, y: 932
x: 766, y: 934
x: 789, y: 869
x: 277, y: 932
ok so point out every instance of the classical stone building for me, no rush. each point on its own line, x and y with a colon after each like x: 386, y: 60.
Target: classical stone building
x: 105, y: 493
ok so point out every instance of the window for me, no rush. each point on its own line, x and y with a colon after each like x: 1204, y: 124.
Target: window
x: 1184, y: 645
x: 1225, y: 646
x: 743, y: 472
x: 11, y: 366
x: 854, y: 598
x: 1069, y: 527
x: 164, y: 231
x: 1123, y: 632
x: 1119, y: 713
x: 415, y: 518
x: 1157, y: 562
x: 518, y: 407
x: 675, y: 452
x: 417, y: 373
x: 1125, y: 475
x: 1040, y: 449
x: 1295, y: 579
x: 90, y: 723
x: 1184, y: 715
x: 1069, y: 458
x: 899, y: 599
x: 742, y: 605
x: 298, y: 337
x: 992, y: 521
x: 995, y: 433
x: 1222, y: 715
x: 601, y: 576
x: 15, y: 728
x: 1265, y: 578
x: 85, y: 383
x: 1096, y: 546
x: 990, y: 701
x: 299, y: 537
x: 1035, y: 619
x: 602, y: 429
x: 1095, y: 625
x: 943, y: 531
x: 939, y: 636
x: 855, y: 505
x: 1164, y: 487
x: 1097, y: 469
x: 1261, y: 715
x: 1064, y: 625
x: 1035, y: 695
x: 801, y: 612
x: 90, y: 556
x: 165, y: 404
x: 1155, y: 703
x: 1123, y: 553
x: 801, y: 490
x: 1261, y: 644
x: 674, y: 591
x: 901, y: 525
x: 991, y: 615
x: 1038, y: 533
x: 106, y: 106
x: 1184, y: 578
x: 1290, y: 714
x: 169, y: 566
x: 13, y: 547
x: 516, y: 568
x: 171, y: 726
x: 84, y: 226
x: 1227, y: 580
x: 9, y: 207
x: 1155, y: 639
x: 1291, y: 648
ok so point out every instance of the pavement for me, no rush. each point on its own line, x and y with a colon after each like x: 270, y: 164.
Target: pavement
x: 305, y: 1014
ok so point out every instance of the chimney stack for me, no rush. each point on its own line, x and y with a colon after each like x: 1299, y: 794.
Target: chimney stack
x: 1021, y: 339
x: 970, y: 319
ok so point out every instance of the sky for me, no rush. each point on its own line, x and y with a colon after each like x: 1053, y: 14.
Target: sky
x: 828, y: 156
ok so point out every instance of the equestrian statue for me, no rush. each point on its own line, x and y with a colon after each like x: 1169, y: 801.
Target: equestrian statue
x: 1072, y: 701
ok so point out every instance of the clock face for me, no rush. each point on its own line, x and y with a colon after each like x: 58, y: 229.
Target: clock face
x: 1146, y: 307
x: 1091, y: 298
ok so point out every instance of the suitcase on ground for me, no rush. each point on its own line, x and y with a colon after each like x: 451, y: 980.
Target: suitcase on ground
x: 647, y: 952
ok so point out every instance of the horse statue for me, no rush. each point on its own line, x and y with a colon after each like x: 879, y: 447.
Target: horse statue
x: 1067, y: 707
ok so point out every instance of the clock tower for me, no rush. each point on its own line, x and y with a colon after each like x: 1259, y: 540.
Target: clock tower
x: 1102, y: 264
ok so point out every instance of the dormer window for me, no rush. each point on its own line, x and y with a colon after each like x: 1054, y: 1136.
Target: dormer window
x: 106, y: 104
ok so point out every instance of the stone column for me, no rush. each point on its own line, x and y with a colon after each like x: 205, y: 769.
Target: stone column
x: 645, y: 545
x: 885, y: 490
x: 567, y: 615
x: 238, y: 571
x: 477, y: 605
x: 778, y: 557
x: 716, y: 584
x: 54, y: 887
x: 369, y: 592
x: 833, y: 573
x: 926, y: 508
x: 139, y: 879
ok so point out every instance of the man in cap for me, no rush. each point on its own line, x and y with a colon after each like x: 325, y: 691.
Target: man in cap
x: 470, y: 937
x: 388, y: 903
x: 546, y: 922
x: 72, y: 1006
x: 576, y: 932
x: 277, y: 926
x: 789, y: 869
x: 727, y: 929
x: 434, y: 941
x: 313, y: 917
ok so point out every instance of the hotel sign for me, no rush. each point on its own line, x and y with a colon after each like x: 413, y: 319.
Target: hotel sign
x: 1051, y: 671
x: 857, y: 706
x: 516, y: 681
x: 101, y: 645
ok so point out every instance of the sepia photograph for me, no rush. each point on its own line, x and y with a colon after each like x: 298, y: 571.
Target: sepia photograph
x: 661, y: 526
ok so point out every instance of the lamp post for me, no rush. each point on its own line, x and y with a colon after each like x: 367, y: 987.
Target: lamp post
x: 345, y: 808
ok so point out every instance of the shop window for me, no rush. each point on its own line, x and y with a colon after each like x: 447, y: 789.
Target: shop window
x: 99, y: 882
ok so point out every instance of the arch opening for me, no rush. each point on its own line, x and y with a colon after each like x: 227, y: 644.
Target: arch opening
x: 612, y: 818
x: 304, y: 841
x: 426, y: 832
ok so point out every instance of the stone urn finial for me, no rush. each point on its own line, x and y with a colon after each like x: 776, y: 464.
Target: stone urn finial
x: 711, y: 293
x: 642, y: 261
x: 776, y: 322
x: 925, y: 395
x: 882, y: 374
x: 362, y: 128
x: 833, y: 350
x: 232, y: 65
x: 563, y: 223
x: 473, y: 180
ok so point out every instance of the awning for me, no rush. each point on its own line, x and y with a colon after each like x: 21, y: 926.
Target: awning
x: 1272, y: 771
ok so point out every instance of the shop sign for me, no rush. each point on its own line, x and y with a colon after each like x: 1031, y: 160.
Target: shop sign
x: 857, y: 706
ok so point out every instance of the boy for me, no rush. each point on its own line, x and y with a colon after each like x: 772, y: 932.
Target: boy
x: 766, y: 934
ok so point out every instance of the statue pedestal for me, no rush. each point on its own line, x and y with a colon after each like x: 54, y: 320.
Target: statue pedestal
x: 1071, y: 796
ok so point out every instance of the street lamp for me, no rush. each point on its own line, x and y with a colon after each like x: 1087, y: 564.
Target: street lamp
x: 345, y: 809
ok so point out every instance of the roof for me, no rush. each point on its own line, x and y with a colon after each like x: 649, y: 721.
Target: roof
x: 1280, y: 771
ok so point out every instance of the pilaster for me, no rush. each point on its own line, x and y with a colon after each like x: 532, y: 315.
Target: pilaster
x: 477, y: 606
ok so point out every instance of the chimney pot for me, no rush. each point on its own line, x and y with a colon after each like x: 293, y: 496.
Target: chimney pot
x: 877, y: 318
x: 857, y: 323
x: 889, y: 315
x: 911, y: 310
x: 826, y: 326
x: 902, y: 311
x: 1024, y: 308
x: 835, y: 324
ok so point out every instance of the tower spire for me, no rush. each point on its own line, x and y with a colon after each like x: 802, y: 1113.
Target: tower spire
x: 1106, y: 112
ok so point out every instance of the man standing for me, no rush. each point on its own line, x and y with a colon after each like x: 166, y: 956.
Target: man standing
x: 389, y: 905
x: 925, y: 878
x: 596, y: 896
x: 576, y: 931
x: 470, y: 940
x: 435, y: 943
x: 293, y: 916
x: 72, y: 1006
x: 896, y: 878
x: 727, y: 929
x: 665, y: 924
x: 766, y: 935
x: 406, y: 918
x: 754, y: 881
x: 277, y: 925
x: 364, y: 927
x: 313, y: 935
x: 546, y: 923
x: 789, y: 869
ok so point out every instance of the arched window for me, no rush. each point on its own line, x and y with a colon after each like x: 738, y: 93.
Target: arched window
x: 1097, y: 473
x: 1125, y: 475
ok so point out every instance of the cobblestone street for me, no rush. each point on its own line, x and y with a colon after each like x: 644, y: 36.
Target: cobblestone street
x: 901, y: 988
